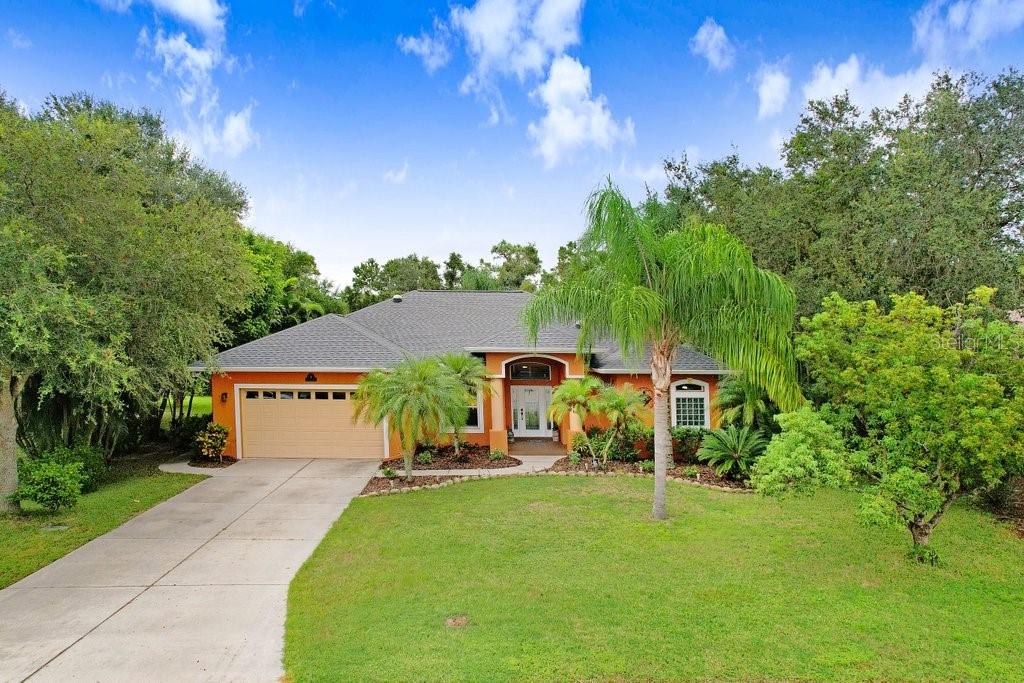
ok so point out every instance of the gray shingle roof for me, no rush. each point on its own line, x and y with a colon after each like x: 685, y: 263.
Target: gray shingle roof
x: 327, y: 342
x: 424, y: 323
x: 687, y: 360
x: 427, y: 322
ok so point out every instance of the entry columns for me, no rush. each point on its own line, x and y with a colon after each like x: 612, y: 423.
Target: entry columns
x: 499, y: 430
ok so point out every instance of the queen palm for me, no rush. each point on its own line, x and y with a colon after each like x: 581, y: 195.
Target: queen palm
x: 622, y: 407
x: 649, y: 290
x: 418, y: 397
x: 576, y: 397
x: 472, y: 374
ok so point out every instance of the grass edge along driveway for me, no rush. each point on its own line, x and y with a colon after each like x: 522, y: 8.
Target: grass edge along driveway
x: 130, y: 487
x: 564, y: 578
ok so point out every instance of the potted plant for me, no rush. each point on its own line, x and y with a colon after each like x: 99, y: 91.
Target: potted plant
x: 554, y: 434
x: 511, y: 436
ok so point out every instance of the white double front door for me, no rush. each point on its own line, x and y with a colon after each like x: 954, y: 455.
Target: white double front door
x: 530, y: 411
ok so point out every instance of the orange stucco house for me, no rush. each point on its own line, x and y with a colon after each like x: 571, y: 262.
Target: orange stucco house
x: 289, y: 393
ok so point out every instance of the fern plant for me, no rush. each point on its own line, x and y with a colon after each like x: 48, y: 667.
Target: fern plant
x: 732, y: 451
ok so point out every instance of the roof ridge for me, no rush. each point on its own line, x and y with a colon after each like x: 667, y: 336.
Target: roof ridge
x: 384, y: 341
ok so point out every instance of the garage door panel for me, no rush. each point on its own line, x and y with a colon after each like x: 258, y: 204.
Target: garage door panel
x: 278, y: 427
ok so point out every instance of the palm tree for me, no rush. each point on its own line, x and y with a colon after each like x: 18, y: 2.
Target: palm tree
x: 472, y: 374
x: 651, y: 289
x: 576, y: 397
x: 622, y: 407
x: 418, y: 397
x: 740, y: 401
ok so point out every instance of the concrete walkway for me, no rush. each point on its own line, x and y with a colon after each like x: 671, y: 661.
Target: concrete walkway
x: 193, y: 589
x: 530, y: 463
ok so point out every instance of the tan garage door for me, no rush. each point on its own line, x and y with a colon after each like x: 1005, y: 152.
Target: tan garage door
x: 305, y: 423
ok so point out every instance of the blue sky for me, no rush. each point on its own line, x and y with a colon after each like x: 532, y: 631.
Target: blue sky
x: 381, y: 128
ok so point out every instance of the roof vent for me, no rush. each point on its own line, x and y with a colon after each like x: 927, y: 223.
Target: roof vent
x: 397, y: 298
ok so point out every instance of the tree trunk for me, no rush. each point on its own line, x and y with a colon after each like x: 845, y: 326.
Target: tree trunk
x: 920, y: 532
x: 8, y: 443
x: 407, y: 457
x: 661, y: 378
x: 921, y: 529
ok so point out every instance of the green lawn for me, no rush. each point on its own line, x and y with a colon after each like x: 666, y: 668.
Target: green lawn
x: 201, y: 405
x: 130, y: 487
x: 565, y: 578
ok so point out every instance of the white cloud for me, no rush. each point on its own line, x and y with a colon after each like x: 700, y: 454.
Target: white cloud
x: 190, y: 56
x: 711, y: 43
x: 575, y: 118
x: 772, y: 90
x: 205, y: 15
x: 526, y: 40
x: 346, y: 190
x: 18, y: 41
x: 237, y: 134
x: 299, y: 7
x: 777, y: 141
x: 116, y: 81
x: 945, y: 29
x: 647, y: 174
x: 397, y: 176
x: 517, y: 37
x: 869, y: 87
x: 431, y: 49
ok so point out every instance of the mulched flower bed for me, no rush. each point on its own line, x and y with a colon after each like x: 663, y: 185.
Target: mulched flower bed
x: 380, y: 484
x: 470, y: 458
x: 211, y: 464
x: 705, y: 474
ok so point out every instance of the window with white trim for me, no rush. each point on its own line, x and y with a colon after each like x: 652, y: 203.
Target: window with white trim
x: 691, y: 405
x: 475, y: 416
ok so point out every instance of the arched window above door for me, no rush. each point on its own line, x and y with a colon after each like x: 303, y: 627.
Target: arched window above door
x: 530, y: 370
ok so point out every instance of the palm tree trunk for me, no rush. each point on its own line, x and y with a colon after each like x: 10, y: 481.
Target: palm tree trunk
x: 407, y: 457
x: 661, y: 378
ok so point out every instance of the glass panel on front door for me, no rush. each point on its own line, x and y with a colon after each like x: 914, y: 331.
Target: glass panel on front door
x: 529, y: 411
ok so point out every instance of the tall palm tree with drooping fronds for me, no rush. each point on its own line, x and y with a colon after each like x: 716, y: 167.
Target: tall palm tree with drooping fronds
x: 650, y: 290
x: 419, y: 398
x: 576, y: 397
x: 622, y: 407
x: 472, y: 373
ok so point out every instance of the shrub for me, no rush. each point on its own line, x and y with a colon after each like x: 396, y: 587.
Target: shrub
x: 686, y: 441
x: 732, y: 451
x: 49, y: 483
x: 575, y: 457
x: 579, y: 445
x: 92, y: 459
x: 496, y: 454
x: 807, y: 454
x: 425, y: 457
x: 646, y: 466
x: 185, y: 433
x: 641, y: 438
x: 212, y: 440
x: 389, y: 472
x: 692, y: 471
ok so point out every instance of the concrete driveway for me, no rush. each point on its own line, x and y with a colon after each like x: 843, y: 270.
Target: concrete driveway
x: 193, y: 589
